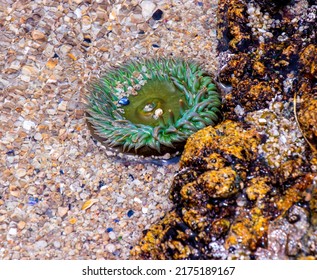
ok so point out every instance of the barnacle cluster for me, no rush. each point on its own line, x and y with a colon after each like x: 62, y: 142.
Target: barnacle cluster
x: 151, y: 107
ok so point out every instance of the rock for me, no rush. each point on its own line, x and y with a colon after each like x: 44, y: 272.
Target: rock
x: 12, y: 231
x: 62, y: 106
x: 110, y: 248
x: 62, y: 211
x: 57, y: 244
x: 21, y: 225
x: 219, y: 171
x: 148, y: 8
x: 86, y: 23
x: 14, y: 66
x: 11, y: 235
x: 25, y: 78
x: 17, y: 215
x: 29, y: 70
x: 38, y: 35
x: 136, y: 18
x: 20, y: 173
x: 65, y: 49
x: 38, y: 136
x: 32, y: 190
x: 41, y: 244
x: 69, y: 229
x: 51, y: 63
x: 14, y: 190
x: 112, y: 235
x: 157, y: 14
x: 27, y: 125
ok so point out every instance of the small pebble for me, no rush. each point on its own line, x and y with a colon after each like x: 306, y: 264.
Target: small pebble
x: 38, y: 35
x: 57, y: 244
x: 62, y: 106
x: 12, y: 231
x: 124, y: 101
x: 110, y: 248
x: 10, y: 153
x: 38, y: 136
x: 28, y: 70
x: 101, y: 184
x: 41, y: 244
x: 262, y: 121
x: 33, y: 201
x: 138, y: 200
x: 62, y: 211
x: 130, y: 213
x: 112, y: 235
x: 21, y: 172
x: 148, y: 8
x: 27, y: 125
x: 157, y: 14
x: 25, y: 78
x: 68, y: 229
x: 21, y: 225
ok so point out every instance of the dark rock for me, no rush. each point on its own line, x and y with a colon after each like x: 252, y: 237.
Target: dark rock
x: 157, y: 14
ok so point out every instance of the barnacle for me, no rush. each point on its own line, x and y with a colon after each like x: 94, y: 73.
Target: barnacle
x: 151, y: 107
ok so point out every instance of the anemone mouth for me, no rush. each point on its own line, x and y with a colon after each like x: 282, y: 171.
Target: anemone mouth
x: 151, y: 107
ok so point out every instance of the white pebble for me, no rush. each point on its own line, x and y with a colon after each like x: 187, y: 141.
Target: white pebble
x: 120, y: 199
x: 57, y: 244
x: 148, y: 8
x: 251, y: 10
x: 262, y: 121
x: 110, y: 248
x: 40, y: 244
x: 78, y: 12
x: 12, y: 231
x: 27, y: 125
x: 283, y: 139
x: 62, y: 106
x: 21, y: 172
x: 38, y: 136
x: 138, y: 200
x: 25, y: 78
x: 239, y: 110
x: 275, y: 132
x: 137, y: 182
x: 112, y: 235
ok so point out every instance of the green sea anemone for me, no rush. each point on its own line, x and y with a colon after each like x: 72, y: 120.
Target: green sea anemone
x: 151, y: 107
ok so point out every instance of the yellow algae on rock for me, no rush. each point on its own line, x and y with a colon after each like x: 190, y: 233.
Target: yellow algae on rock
x: 219, y: 184
x: 248, y: 229
x: 226, y: 138
x: 258, y: 188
